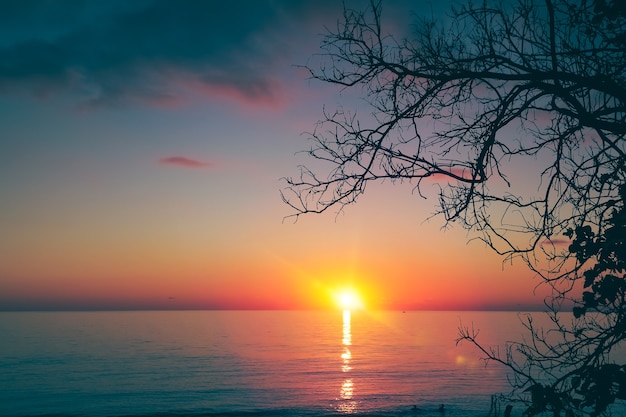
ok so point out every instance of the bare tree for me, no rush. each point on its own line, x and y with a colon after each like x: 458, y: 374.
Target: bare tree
x: 464, y: 105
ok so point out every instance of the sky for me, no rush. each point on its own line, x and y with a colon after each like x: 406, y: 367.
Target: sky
x: 141, y: 155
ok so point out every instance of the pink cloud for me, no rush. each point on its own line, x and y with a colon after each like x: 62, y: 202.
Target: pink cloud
x: 262, y: 93
x: 179, y: 88
x: 185, y: 162
x: 459, y: 172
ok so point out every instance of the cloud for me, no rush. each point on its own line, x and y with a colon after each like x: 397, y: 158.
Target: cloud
x: 557, y: 242
x: 112, y: 53
x: 182, y: 161
x: 460, y: 172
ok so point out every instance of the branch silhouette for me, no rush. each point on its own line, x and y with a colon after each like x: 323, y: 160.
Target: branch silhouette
x: 463, y: 105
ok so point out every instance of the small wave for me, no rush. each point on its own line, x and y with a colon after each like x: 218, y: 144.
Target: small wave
x: 408, y: 411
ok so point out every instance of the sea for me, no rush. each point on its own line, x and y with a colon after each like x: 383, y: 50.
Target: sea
x: 251, y: 363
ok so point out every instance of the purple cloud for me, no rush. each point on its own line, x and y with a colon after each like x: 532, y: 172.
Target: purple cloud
x: 557, y: 242
x: 182, y: 161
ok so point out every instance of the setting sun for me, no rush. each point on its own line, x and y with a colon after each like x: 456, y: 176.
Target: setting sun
x: 348, y: 299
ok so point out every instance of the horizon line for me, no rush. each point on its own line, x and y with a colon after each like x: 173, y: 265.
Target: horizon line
x: 161, y: 309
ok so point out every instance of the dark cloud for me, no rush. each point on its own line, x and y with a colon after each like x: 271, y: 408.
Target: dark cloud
x: 182, y: 161
x: 557, y: 242
x: 151, y: 50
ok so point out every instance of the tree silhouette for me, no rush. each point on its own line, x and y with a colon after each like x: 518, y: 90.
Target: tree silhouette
x: 463, y: 105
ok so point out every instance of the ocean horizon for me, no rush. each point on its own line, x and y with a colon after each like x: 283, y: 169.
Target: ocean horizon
x: 250, y: 363
x: 21, y: 307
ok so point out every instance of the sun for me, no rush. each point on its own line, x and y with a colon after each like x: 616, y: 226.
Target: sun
x: 348, y: 299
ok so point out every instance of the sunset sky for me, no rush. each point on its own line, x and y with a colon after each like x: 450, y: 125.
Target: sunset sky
x: 141, y: 155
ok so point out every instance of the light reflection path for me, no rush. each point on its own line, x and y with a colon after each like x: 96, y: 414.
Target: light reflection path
x: 347, y: 404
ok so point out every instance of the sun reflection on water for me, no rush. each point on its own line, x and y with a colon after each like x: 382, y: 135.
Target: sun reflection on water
x: 347, y: 334
x: 346, y: 356
x: 346, y: 394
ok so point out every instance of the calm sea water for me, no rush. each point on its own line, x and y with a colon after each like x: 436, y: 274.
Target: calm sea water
x: 254, y: 363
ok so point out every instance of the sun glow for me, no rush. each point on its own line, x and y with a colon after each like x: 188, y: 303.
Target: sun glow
x: 348, y: 299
